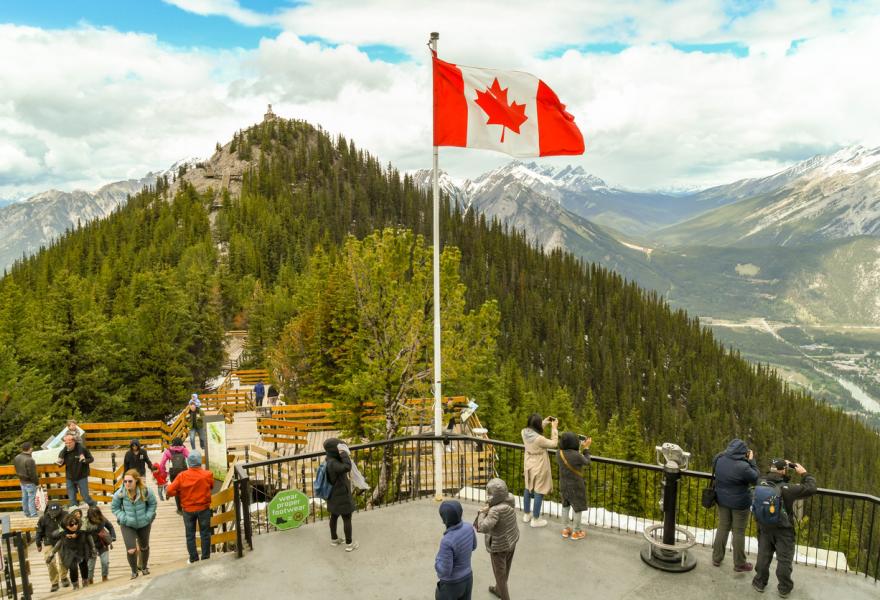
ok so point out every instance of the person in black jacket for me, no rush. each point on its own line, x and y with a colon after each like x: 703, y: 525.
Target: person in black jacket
x: 779, y: 539
x: 340, y: 503
x: 137, y: 458
x: 75, y: 547
x: 572, y: 457
x: 49, y: 528
x: 76, y: 459
x: 735, y: 470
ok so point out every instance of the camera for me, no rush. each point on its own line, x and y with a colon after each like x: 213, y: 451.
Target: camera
x: 791, y: 466
x: 582, y: 438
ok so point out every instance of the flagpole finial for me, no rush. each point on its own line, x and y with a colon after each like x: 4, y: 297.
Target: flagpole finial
x: 435, y: 36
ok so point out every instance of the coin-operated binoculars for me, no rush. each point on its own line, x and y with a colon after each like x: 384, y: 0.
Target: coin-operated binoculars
x: 668, y: 544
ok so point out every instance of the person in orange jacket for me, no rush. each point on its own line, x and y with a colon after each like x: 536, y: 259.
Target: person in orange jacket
x: 193, y: 487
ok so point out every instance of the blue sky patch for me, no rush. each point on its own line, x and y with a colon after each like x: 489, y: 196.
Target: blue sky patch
x: 735, y: 48
x: 168, y: 23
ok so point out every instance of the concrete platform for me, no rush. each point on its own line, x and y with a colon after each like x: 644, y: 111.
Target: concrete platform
x: 396, y: 561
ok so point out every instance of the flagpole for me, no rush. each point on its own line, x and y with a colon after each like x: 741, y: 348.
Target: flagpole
x: 438, y: 396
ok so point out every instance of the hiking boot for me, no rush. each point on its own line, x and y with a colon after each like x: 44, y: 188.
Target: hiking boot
x: 336, y: 542
x: 85, y: 582
x: 351, y: 547
x: 134, y: 575
x: 91, y: 581
x: 55, y: 587
x: 758, y: 587
x: 579, y: 534
x: 744, y: 568
x: 145, y: 570
x: 104, y: 578
x: 493, y: 591
x: 716, y: 563
x: 527, y: 517
x: 566, y: 533
x: 190, y: 561
x: 538, y: 523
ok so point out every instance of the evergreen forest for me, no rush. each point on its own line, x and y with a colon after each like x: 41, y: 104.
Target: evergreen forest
x: 325, y: 258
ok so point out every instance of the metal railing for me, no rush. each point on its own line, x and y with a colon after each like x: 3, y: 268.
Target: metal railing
x: 835, y: 529
x: 16, y: 570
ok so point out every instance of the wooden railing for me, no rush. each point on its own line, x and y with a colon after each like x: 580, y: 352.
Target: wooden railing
x: 313, y: 417
x: 102, y: 484
x: 245, y: 377
x: 280, y: 431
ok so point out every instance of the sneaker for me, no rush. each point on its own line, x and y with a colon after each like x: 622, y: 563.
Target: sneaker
x: 336, y: 542
x: 579, y: 534
x: 145, y: 570
x: 527, y: 517
x: 104, y: 577
x: 539, y: 523
x: 783, y: 594
x: 744, y: 568
x: 55, y: 587
x: 134, y: 575
x: 351, y: 547
x: 757, y: 586
x: 65, y: 583
x: 716, y: 563
x: 190, y: 561
x: 566, y: 533
x: 76, y: 585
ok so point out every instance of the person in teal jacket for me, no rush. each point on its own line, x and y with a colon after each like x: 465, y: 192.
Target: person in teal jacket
x: 135, y: 508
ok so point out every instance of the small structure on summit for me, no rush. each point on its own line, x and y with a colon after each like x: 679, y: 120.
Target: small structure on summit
x: 269, y: 116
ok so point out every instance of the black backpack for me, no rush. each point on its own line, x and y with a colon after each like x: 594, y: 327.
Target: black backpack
x: 178, y: 464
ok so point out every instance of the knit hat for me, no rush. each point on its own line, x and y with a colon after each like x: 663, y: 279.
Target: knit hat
x: 194, y: 459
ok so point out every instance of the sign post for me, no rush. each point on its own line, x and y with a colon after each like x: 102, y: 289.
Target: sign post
x: 215, y: 448
x: 288, y: 509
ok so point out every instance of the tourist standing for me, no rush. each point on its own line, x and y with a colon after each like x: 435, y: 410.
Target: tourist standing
x: 272, y: 395
x: 194, y: 487
x: 259, y: 393
x: 341, y: 502
x: 573, y: 456
x: 134, y: 506
x: 735, y: 470
x: 498, y: 521
x: 195, y: 418
x: 779, y: 538
x: 50, y: 528
x: 26, y: 470
x: 536, y: 466
x: 453, y: 561
x: 76, y: 459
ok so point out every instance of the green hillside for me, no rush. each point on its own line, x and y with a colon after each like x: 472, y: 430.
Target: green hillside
x: 121, y: 318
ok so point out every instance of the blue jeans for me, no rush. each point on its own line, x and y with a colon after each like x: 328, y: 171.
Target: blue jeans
x: 83, y: 486
x: 105, y: 564
x: 527, y: 502
x: 192, y: 438
x: 203, y: 518
x: 29, y: 499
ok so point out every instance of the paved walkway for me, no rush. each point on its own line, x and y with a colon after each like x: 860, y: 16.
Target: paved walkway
x: 396, y: 558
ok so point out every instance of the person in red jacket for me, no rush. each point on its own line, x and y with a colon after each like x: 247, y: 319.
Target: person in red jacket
x: 194, y: 487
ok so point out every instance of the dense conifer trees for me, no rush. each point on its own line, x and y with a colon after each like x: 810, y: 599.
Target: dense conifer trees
x: 121, y: 317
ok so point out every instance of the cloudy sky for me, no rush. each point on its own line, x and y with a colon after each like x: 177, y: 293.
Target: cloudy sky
x: 669, y: 93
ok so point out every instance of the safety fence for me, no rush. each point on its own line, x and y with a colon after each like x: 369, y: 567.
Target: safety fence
x: 102, y: 483
x: 835, y: 529
x: 15, y: 566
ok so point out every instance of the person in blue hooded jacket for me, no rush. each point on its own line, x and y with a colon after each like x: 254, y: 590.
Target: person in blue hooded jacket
x: 735, y: 471
x: 453, y: 562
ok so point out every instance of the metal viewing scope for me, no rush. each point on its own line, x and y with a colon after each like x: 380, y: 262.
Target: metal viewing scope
x: 673, y: 456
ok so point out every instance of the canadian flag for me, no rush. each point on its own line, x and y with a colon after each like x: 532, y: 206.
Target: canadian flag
x: 508, y: 111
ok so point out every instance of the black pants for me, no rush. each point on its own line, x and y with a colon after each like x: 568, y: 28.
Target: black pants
x: 137, y: 539
x: 455, y: 591
x: 346, y: 526
x: 80, y: 568
x: 779, y: 540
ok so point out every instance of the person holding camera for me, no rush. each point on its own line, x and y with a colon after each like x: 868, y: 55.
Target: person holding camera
x: 573, y: 456
x: 776, y: 530
x: 735, y: 470
x: 536, y: 467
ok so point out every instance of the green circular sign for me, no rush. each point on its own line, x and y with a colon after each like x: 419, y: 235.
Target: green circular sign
x: 288, y: 509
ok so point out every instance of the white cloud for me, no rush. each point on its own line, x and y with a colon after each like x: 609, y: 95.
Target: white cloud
x: 225, y: 8
x: 86, y: 106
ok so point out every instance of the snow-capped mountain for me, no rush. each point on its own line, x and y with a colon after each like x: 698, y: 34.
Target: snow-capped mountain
x: 823, y: 198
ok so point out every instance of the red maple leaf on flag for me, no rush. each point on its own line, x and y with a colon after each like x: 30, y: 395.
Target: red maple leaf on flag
x: 494, y: 103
